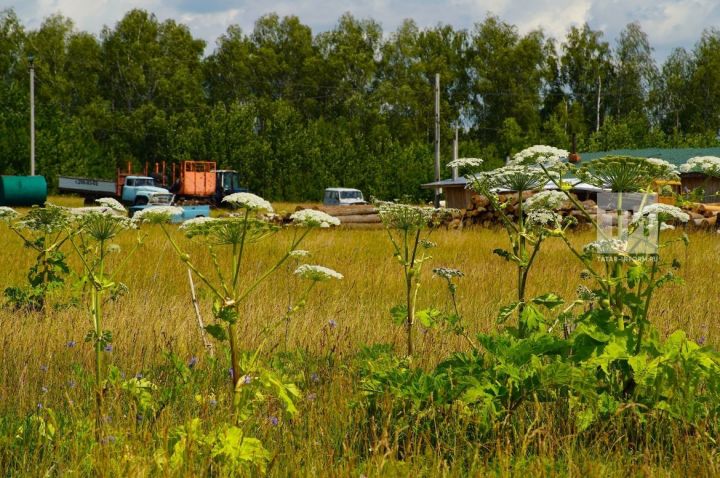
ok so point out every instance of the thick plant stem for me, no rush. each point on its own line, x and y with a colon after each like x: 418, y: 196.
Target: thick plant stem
x: 97, y: 323
x: 98, y: 359
x: 522, y: 268
x: 411, y: 315
x: 235, y: 362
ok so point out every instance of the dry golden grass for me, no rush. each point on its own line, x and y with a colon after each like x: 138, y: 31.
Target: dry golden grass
x: 157, y: 316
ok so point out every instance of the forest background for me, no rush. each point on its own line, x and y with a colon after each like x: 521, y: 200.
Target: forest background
x: 296, y: 111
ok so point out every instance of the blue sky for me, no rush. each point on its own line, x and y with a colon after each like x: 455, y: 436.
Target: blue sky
x: 668, y: 23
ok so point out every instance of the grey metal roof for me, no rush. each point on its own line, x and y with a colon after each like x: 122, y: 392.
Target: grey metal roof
x: 462, y: 182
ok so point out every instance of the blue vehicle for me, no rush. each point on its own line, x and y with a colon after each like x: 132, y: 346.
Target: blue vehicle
x: 167, y: 199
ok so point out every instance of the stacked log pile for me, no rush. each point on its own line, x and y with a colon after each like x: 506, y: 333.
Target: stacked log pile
x: 480, y: 211
x: 364, y: 216
x: 703, y: 216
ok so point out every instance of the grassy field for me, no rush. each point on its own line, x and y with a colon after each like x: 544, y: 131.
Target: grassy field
x: 40, y: 369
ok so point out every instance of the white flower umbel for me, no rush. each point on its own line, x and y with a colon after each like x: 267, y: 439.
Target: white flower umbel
x: 607, y: 246
x: 248, y: 201
x: 314, y: 218
x: 405, y: 217
x: 297, y: 253
x: 543, y: 217
x: 465, y: 163
x: 668, y: 170
x: 545, y: 200
x: 157, y: 214
x: 112, y: 204
x: 709, y: 165
x: 539, y: 154
x: 317, y: 273
x: 663, y: 211
x: 666, y: 227
x: 447, y: 273
x: 7, y: 213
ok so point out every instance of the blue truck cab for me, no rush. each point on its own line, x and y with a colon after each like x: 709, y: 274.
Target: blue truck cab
x: 138, y: 190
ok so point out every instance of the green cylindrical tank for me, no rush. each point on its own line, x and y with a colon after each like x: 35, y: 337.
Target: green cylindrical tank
x: 23, y: 190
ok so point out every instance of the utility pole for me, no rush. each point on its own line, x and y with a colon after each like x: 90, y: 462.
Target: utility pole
x: 455, y: 154
x: 436, y: 202
x: 31, y: 59
x: 597, y: 114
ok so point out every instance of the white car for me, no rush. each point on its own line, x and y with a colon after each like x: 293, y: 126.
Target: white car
x: 343, y: 197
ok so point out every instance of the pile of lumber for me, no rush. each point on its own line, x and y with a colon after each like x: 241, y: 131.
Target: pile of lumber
x: 480, y: 211
x: 703, y: 216
x: 364, y: 216
x: 360, y: 216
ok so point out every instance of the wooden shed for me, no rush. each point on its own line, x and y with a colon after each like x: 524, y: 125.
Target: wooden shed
x: 456, y: 196
x: 694, y: 180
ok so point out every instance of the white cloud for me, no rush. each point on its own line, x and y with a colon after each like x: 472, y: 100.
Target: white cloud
x: 668, y: 23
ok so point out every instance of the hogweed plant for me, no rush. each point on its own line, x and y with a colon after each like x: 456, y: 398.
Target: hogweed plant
x: 92, y: 232
x: 232, y: 286
x: 534, y: 218
x: 408, y: 229
x: 43, y: 230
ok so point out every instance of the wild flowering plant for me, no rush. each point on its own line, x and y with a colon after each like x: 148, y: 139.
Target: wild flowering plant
x: 408, y: 228
x: 43, y: 230
x: 468, y: 164
x: 232, y: 286
x: 709, y: 165
x: 626, y: 275
x: 93, y: 231
x: 539, y: 154
x: 608, y: 368
x: 534, y: 219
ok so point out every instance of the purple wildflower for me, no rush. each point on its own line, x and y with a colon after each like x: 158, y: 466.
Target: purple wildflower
x: 231, y: 372
x: 43, y: 368
x: 314, y: 377
x: 108, y: 348
x: 701, y: 340
x: 274, y: 421
x: 193, y: 361
x: 139, y: 375
x: 332, y: 323
x: 71, y: 344
x: 247, y: 379
x: 71, y: 383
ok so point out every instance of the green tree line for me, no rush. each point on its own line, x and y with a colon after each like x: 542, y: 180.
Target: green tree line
x: 295, y: 111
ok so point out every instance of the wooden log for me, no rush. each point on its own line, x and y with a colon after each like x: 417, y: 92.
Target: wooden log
x: 339, y: 211
x: 480, y: 200
x: 363, y: 218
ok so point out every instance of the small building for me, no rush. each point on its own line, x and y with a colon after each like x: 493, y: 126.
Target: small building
x: 709, y: 184
x: 458, y: 196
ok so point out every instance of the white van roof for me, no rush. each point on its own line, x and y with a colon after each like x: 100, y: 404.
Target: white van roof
x: 342, y: 190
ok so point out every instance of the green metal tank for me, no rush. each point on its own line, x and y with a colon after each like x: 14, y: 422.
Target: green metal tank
x: 23, y: 190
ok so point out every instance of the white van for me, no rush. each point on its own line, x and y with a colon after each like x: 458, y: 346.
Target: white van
x: 343, y: 197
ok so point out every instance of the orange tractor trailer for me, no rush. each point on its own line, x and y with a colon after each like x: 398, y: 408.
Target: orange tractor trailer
x: 194, y: 181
